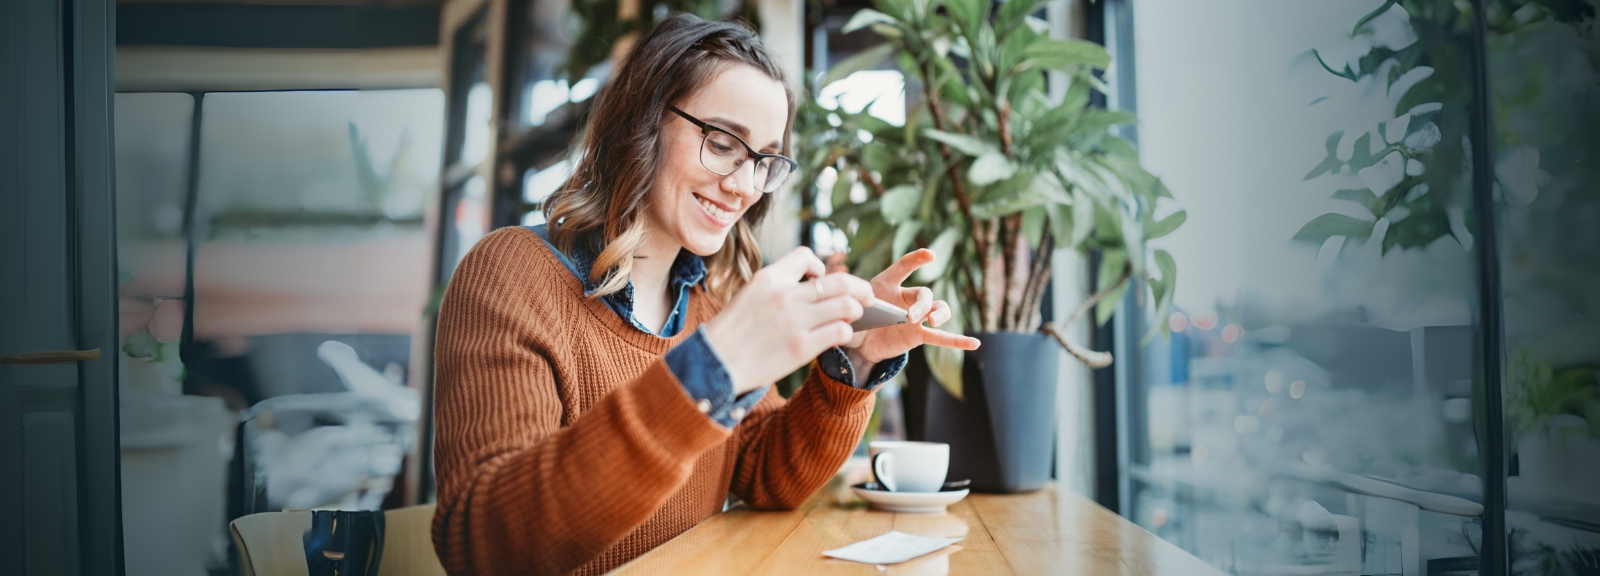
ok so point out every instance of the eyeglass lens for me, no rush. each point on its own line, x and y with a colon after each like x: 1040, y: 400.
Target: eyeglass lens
x: 723, y: 154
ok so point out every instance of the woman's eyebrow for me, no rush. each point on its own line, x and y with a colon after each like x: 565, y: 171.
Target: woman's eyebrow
x: 739, y: 129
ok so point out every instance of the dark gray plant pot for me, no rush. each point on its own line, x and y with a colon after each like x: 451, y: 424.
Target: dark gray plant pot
x: 1003, y: 435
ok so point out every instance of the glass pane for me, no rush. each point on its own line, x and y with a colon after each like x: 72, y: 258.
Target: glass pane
x: 539, y: 184
x: 1543, y: 81
x: 312, y: 270
x: 543, y: 39
x: 1313, y: 410
x: 175, y: 447
x: 471, y: 218
x: 480, y: 99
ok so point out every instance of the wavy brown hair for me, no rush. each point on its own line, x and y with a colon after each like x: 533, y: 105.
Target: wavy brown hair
x: 620, y: 154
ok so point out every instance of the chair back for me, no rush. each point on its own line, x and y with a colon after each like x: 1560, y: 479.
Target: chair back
x: 270, y: 543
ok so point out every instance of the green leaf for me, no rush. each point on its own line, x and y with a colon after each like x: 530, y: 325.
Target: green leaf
x: 904, y: 235
x: 899, y: 202
x: 989, y: 168
x: 1108, y: 305
x: 867, y: 17
x: 1361, y: 196
x: 943, y: 247
x: 1014, y: 12
x: 1326, y: 226
x: 1168, y: 267
x: 1033, y: 225
x: 1011, y: 204
x: 1331, y: 162
x: 1362, y: 156
x: 1095, y: 121
x: 875, y: 260
x: 1112, y: 263
x: 1061, y: 224
x: 945, y: 363
x: 969, y: 15
x: 898, y: 9
x: 865, y: 60
x: 889, y: 31
x: 870, y: 232
x: 841, y: 191
x: 1132, y: 237
x: 879, y: 158
x: 962, y: 142
x: 1166, y: 225
x: 1065, y: 55
x: 142, y: 345
x: 1163, y: 289
x: 1083, y: 210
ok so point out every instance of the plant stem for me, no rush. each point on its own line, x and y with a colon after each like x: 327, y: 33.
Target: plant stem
x: 1037, y: 281
x: 866, y: 176
x: 1091, y: 358
x: 1094, y: 359
x: 1019, y: 266
x: 994, y: 277
x: 939, y: 123
x: 1005, y: 128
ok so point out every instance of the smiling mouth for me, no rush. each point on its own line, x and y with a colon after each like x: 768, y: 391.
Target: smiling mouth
x: 716, y: 211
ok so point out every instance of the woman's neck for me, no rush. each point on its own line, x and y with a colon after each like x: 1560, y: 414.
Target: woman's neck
x: 652, y: 268
x: 652, y: 265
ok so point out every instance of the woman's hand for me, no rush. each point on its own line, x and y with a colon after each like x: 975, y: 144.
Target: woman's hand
x: 876, y: 345
x: 777, y: 323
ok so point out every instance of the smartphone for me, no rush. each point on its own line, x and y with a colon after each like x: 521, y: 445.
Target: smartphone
x: 878, y: 315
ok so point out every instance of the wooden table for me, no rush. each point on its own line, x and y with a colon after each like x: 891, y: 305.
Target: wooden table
x: 1045, y: 532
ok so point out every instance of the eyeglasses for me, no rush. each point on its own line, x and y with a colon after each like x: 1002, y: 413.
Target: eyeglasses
x: 719, y: 153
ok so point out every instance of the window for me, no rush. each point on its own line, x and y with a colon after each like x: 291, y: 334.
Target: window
x: 1351, y: 356
x: 274, y: 269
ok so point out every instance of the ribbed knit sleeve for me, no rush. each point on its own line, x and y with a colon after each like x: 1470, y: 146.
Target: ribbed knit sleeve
x: 789, y: 448
x: 518, y: 492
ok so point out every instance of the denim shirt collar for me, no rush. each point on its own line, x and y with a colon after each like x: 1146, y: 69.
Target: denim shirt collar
x: 687, y: 270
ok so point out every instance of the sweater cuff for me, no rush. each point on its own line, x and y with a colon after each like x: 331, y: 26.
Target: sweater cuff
x: 677, y: 426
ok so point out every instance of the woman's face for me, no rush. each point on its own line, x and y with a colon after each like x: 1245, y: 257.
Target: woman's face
x: 695, y: 207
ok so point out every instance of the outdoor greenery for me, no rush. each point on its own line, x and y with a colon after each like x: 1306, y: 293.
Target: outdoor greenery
x: 1416, y: 168
x: 602, y: 24
x: 991, y: 171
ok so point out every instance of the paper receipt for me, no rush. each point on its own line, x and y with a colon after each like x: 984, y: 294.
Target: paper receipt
x: 890, y: 548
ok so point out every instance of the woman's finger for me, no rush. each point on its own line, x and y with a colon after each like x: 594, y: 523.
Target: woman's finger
x: 797, y: 264
x: 854, y: 287
x: 835, y: 309
x: 940, y: 313
x: 827, y: 335
x: 921, y: 300
x: 938, y: 337
x: 836, y: 284
x: 897, y: 273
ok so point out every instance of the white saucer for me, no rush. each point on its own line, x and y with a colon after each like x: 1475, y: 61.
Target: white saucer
x: 917, y: 502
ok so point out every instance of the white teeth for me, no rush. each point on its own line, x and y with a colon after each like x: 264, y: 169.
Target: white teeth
x: 720, y: 214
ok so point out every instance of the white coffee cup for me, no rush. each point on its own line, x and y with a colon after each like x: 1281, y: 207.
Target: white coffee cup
x: 901, y: 466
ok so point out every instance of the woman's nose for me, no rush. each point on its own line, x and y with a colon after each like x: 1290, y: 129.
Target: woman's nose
x: 742, y: 180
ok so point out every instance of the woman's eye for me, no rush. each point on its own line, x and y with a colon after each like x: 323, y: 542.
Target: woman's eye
x: 720, y: 148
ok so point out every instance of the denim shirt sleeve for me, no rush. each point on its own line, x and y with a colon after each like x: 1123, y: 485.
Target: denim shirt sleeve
x: 836, y: 364
x: 706, y: 380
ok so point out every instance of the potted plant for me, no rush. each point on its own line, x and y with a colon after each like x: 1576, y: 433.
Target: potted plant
x: 993, y: 174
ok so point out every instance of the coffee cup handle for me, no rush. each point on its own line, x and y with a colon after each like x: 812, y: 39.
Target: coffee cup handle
x: 880, y: 470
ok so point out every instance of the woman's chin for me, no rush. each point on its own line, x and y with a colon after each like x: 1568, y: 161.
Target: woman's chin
x: 704, y: 247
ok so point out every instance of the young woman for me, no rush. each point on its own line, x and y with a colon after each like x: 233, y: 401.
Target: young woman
x: 603, y: 383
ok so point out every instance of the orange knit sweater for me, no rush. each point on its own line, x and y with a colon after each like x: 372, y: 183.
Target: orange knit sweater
x: 564, y: 444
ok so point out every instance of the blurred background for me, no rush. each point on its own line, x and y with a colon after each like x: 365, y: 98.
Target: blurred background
x: 1388, y: 265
